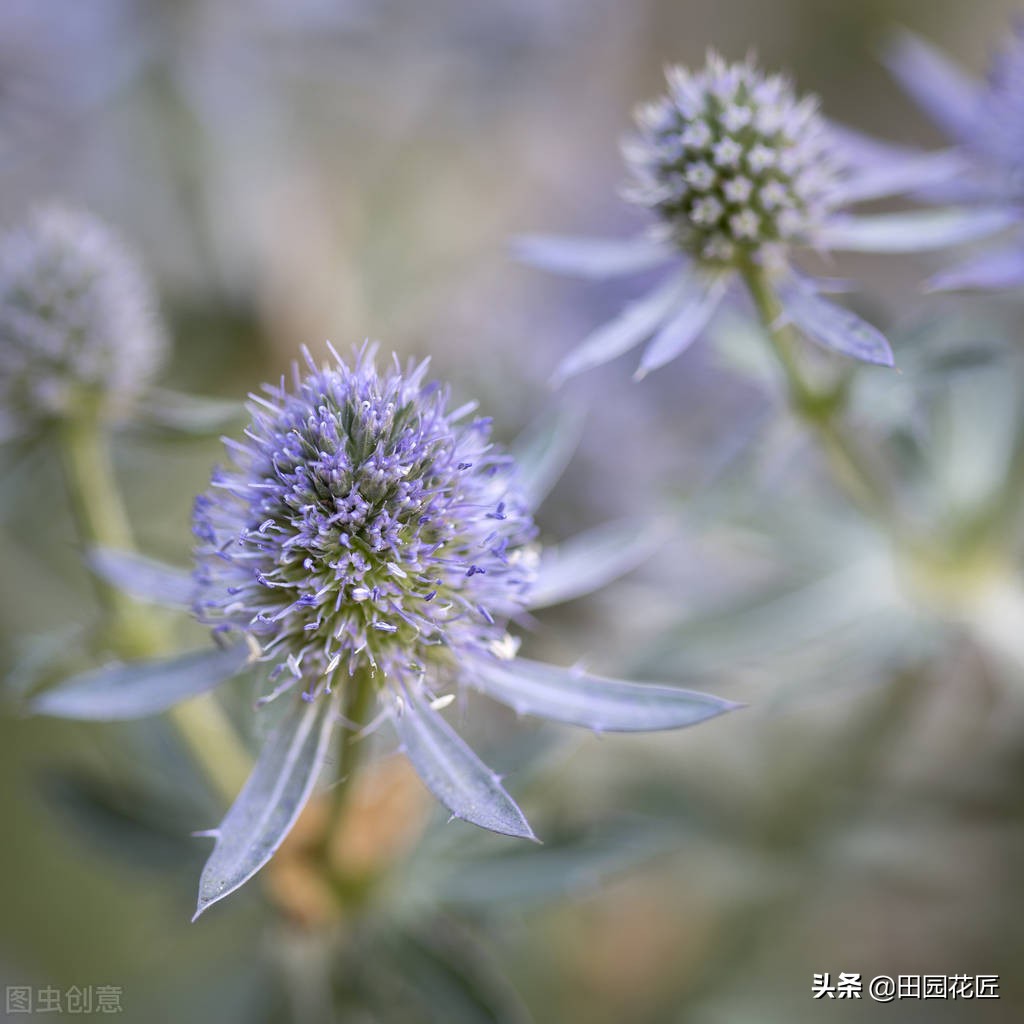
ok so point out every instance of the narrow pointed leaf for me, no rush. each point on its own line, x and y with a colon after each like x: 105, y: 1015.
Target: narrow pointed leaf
x: 589, y: 561
x: 143, y: 578
x: 895, y: 175
x: 173, y: 412
x: 271, y: 800
x: 591, y: 257
x: 635, y: 324
x: 542, y: 452
x: 937, y: 85
x: 577, y: 698
x: 1001, y: 268
x: 685, y: 326
x: 917, y: 231
x: 454, y: 774
x: 833, y: 326
x: 135, y: 689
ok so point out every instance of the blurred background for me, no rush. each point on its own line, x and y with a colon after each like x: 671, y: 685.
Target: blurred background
x: 296, y: 170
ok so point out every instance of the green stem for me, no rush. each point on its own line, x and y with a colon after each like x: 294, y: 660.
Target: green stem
x: 98, y: 513
x: 357, y: 702
x: 131, y: 629
x: 819, y: 408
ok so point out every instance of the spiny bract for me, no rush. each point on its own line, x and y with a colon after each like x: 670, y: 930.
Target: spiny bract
x: 733, y: 162
x: 78, y: 327
x: 363, y: 525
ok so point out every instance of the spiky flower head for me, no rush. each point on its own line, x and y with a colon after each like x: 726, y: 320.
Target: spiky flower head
x: 362, y: 526
x: 78, y: 323
x: 735, y: 164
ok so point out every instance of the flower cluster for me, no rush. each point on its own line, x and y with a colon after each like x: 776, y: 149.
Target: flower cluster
x: 363, y: 525
x: 78, y: 327
x: 733, y: 162
x: 741, y: 173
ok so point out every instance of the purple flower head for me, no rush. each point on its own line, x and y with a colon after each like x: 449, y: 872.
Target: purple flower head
x: 742, y: 174
x: 363, y: 525
x: 368, y: 540
x: 78, y: 327
x: 733, y: 162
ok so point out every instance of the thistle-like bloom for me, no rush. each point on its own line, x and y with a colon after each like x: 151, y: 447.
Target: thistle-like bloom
x: 368, y: 539
x: 78, y: 326
x: 985, y: 120
x: 741, y: 172
x: 364, y: 527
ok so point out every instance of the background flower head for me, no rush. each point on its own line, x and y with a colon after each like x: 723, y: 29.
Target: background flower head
x: 733, y: 162
x: 742, y: 174
x: 78, y: 323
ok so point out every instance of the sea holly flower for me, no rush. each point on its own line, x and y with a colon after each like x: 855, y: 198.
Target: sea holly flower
x: 369, y: 539
x: 740, y: 173
x: 78, y: 326
x: 984, y: 121
x: 80, y: 333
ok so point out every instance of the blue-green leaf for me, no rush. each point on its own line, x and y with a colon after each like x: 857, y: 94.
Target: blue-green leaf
x: 543, y: 451
x: 588, y: 561
x: 454, y: 774
x: 577, y: 698
x: 597, y: 258
x: 143, y: 578
x: 271, y: 800
x: 174, y: 412
x: 125, y: 690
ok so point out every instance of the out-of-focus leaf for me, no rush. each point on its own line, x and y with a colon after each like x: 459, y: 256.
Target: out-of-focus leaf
x: 590, y: 560
x: 177, y: 414
x: 134, y: 689
x: 543, y: 451
x: 917, y: 231
x: 591, y: 257
x: 143, y: 578
x: 686, y: 325
x: 515, y: 880
x: 635, y: 324
x: 138, y: 827
x: 41, y: 659
x: 943, y: 90
x: 833, y: 326
x: 446, y: 972
x: 454, y: 774
x: 577, y: 698
x: 774, y: 621
x: 271, y: 800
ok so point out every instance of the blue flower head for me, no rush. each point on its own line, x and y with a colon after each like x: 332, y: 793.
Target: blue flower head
x: 363, y: 526
x: 742, y: 174
x: 368, y: 539
x: 734, y: 163
x: 78, y: 327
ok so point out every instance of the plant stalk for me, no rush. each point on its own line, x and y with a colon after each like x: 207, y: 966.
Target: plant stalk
x: 819, y: 408
x: 132, y: 631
